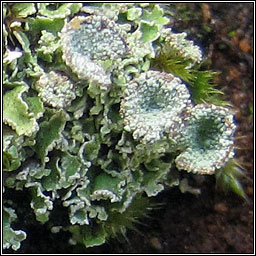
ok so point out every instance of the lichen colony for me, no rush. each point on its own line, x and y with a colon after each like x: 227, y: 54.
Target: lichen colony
x: 90, y: 124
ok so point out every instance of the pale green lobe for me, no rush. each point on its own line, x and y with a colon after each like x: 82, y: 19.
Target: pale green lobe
x: 41, y: 204
x: 105, y: 181
x: 23, y: 40
x: 83, y: 193
x: 49, y: 134
x: 80, y: 213
x: 48, y: 45
x: 97, y: 237
x: 40, y: 172
x: 62, y: 12
x: 107, y: 187
x: 13, y: 151
x: 149, y: 32
x: 182, y: 47
x: 35, y: 106
x: 50, y: 182
x: 156, y: 15
x: 41, y: 23
x: 23, y: 10
x: 11, y: 159
x: 153, y: 181
x: 11, y: 238
x: 16, y: 112
x: 91, y: 148
x: 88, y: 236
x: 70, y: 165
x: 134, y: 13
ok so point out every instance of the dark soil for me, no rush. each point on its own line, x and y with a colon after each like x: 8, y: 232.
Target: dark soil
x: 213, y: 222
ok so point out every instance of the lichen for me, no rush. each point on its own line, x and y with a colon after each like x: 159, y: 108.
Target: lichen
x: 49, y: 44
x: 16, y: 112
x: 208, y: 139
x: 11, y: 238
x: 56, y: 90
x: 53, y: 11
x: 89, y: 42
x: 93, y: 123
x: 152, y: 105
x: 182, y: 46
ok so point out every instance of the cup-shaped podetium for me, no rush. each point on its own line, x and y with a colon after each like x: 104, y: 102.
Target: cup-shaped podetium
x: 152, y: 105
x: 207, y: 139
x: 88, y: 41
